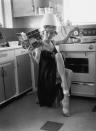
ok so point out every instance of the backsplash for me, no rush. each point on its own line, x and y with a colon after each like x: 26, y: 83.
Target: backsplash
x: 9, y: 34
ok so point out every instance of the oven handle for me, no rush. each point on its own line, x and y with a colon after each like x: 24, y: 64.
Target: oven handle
x: 83, y: 83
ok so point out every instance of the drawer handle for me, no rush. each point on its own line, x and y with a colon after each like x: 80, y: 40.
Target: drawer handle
x: 3, y: 55
x: 83, y: 83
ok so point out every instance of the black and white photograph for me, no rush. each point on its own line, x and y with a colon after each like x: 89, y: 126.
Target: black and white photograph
x: 47, y: 65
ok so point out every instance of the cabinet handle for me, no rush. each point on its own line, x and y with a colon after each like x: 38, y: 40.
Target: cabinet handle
x: 84, y: 83
x: 5, y: 73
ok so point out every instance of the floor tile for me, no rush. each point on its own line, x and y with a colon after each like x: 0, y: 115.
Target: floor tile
x: 51, y: 126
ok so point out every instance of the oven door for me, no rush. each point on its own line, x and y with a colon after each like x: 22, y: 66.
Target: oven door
x: 82, y: 64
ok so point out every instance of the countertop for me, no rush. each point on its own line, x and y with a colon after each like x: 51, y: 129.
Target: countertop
x: 9, y: 48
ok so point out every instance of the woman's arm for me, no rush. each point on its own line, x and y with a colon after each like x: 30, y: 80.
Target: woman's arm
x: 67, y: 37
x: 64, y: 40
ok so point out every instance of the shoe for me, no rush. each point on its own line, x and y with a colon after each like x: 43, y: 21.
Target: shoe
x: 66, y: 113
x: 66, y: 106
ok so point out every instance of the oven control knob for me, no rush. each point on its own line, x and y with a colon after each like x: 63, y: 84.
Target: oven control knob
x: 91, y: 47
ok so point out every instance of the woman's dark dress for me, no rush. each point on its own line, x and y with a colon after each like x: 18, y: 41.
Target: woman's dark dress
x: 47, y: 89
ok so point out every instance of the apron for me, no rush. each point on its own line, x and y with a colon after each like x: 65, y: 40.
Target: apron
x: 47, y: 90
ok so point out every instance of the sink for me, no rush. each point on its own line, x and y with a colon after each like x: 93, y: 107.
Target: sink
x: 13, y: 43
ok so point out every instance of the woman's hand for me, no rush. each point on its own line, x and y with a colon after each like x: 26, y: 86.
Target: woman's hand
x: 29, y: 43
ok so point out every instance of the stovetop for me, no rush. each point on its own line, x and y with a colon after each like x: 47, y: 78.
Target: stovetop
x: 78, y: 47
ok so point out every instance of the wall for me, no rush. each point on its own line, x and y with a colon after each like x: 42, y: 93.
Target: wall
x: 1, y: 14
x: 9, y: 34
x: 34, y: 21
x: 27, y: 22
x: 80, y: 12
x: 41, y: 3
x: 8, y: 14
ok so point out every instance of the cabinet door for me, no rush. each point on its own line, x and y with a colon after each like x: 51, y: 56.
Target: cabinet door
x: 9, y: 79
x: 2, y: 97
x: 36, y: 69
x: 22, y: 8
x: 24, y: 72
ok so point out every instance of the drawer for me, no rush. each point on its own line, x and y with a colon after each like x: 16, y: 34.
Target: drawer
x: 83, y: 90
x: 20, y: 51
x: 6, y: 55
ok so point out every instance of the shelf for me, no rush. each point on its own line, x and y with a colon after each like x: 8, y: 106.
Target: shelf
x: 31, y: 15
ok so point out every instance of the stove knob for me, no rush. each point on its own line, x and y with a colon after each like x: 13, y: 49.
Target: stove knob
x: 91, y: 47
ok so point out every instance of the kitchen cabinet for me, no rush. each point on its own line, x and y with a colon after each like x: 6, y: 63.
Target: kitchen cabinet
x: 16, y: 73
x: 36, y: 69
x: 41, y: 3
x: 2, y: 96
x: 24, y: 72
x: 22, y: 8
x: 7, y: 80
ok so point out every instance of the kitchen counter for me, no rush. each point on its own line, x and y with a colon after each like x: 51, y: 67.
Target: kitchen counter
x: 9, y: 48
x: 17, y: 70
x: 10, y: 53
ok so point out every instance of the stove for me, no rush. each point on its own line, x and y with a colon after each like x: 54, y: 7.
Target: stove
x: 81, y: 59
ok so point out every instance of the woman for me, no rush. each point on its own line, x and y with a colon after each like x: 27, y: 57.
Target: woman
x: 50, y: 64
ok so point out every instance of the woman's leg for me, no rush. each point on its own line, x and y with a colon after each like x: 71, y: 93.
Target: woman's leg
x: 66, y: 81
x: 68, y: 74
x: 61, y: 71
x: 66, y: 100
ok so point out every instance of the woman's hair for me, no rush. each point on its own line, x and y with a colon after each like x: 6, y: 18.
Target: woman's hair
x: 48, y: 27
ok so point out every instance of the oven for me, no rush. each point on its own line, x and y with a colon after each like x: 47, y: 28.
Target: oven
x: 81, y: 59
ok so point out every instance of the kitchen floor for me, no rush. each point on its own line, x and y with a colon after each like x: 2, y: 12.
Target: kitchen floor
x: 24, y: 114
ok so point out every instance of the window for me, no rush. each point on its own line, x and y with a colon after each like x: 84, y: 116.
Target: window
x: 6, y: 13
x: 1, y: 14
x: 80, y: 11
